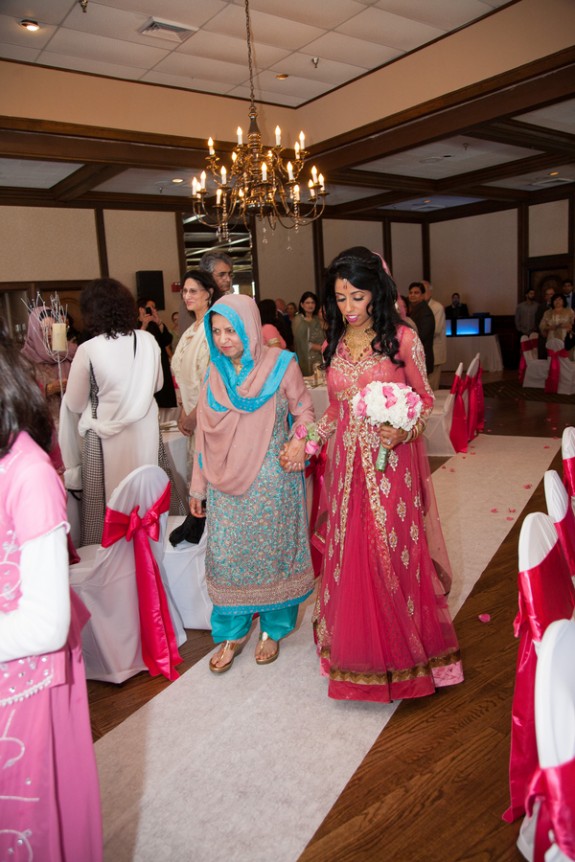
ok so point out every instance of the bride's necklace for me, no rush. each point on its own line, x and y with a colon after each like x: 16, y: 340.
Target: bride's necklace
x: 358, y: 341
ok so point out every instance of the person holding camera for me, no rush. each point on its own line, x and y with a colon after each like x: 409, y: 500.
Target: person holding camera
x: 149, y: 320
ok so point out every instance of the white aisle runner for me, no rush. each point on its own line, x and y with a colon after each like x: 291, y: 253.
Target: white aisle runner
x: 245, y: 766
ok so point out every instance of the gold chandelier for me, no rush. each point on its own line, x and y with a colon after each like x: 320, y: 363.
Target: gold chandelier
x: 258, y: 183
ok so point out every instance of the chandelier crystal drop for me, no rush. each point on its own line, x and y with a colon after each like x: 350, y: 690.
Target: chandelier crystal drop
x: 259, y: 182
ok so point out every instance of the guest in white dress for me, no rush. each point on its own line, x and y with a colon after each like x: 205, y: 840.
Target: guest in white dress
x: 109, y: 417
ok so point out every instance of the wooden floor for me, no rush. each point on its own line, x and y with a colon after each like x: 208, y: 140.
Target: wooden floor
x: 434, y: 785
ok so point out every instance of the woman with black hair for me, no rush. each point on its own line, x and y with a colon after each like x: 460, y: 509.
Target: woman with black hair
x: 276, y: 328
x: 381, y: 622
x: 50, y: 796
x: 109, y: 401
x: 308, y: 333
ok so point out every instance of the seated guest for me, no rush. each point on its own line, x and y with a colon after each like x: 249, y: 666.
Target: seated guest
x: 457, y: 308
x: 557, y: 322
x: 422, y: 316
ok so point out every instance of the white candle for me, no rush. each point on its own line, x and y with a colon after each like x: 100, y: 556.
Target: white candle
x: 311, y: 189
x: 302, y: 140
x: 290, y: 171
x: 59, y: 340
x: 314, y: 174
x: 224, y: 174
x: 203, y: 180
x: 218, y: 197
x: 278, y: 136
x: 195, y: 186
x: 240, y: 136
x: 296, y: 193
x: 264, y: 172
x: 211, y: 147
x: 321, y: 182
x: 296, y: 148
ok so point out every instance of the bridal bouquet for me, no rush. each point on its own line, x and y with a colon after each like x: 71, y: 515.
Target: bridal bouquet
x: 393, y: 404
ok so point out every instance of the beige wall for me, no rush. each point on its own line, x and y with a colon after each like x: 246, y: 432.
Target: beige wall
x: 139, y: 241
x: 339, y: 235
x: 549, y: 228
x: 477, y: 257
x: 285, y: 262
x: 407, y: 254
x: 44, y: 244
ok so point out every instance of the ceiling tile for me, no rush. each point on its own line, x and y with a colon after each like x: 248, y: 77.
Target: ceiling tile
x: 22, y: 173
x: 538, y: 179
x: 202, y: 67
x: 559, y: 117
x: 325, y: 14
x: 269, y: 29
x: 72, y: 43
x: 443, y: 14
x: 217, y: 47
x: 337, y: 46
x: 94, y: 67
x: 11, y: 33
x: 384, y: 28
x: 326, y: 71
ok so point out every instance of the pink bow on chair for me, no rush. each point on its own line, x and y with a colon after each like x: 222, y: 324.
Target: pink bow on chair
x: 545, y: 594
x: 472, y: 405
x: 159, y: 647
x: 554, y: 787
x: 552, y: 381
x: 458, y: 430
x: 569, y: 475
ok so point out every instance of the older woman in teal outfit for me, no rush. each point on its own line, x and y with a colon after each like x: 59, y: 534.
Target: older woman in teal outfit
x: 257, y: 558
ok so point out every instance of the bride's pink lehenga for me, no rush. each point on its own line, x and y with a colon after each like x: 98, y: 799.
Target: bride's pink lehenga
x: 381, y: 622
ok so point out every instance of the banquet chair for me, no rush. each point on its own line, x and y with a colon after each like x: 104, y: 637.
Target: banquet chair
x: 134, y: 624
x: 562, y: 515
x: 185, y: 569
x: 535, y: 373
x: 548, y: 832
x: 529, y: 345
x: 568, y: 457
x: 561, y: 375
x: 446, y: 429
x: 546, y: 593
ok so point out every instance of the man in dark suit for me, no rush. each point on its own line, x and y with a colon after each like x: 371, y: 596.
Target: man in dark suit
x: 457, y: 309
x: 567, y: 288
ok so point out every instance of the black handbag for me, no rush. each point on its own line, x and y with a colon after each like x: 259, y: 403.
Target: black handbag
x: 191, y: 530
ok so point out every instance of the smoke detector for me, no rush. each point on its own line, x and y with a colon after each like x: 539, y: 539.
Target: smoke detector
x: 169, y: 31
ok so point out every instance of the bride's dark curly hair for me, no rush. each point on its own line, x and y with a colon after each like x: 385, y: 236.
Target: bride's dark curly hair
x: 364, y: 270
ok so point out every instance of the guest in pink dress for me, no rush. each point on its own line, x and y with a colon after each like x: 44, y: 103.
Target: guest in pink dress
x: 49, y: 796
x: 381, y: 622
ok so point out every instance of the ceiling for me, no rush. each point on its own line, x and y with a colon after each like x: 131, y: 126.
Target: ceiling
x: 484, y: 149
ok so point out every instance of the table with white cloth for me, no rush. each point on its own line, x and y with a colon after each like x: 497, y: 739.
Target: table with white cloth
x: 176, y: 446
x: 319, y: 397
x: 462, y: 348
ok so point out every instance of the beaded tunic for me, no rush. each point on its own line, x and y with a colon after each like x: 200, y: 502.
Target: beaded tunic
x: 381, y: 622
x: 258, y: 549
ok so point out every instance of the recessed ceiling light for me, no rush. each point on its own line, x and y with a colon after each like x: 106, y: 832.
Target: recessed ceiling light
x: 282, y: 76
x: 29, y: 24
x: 553, y: 173
x: 177, y: 180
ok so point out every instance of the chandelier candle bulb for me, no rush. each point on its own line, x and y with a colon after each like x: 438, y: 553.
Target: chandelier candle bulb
x: 296, y: 149
x: 195, y: 186
x: 322, y: 182
x: 296, y: 193
x: 240, y: 136
x: 290, y: 171
x: 59, y: 340
x: 224, y: 175
x: 264, y: 173
x: 314, y: 175
x: 218, y: 197
x: 278, y: 136
x: 211, y: 147
x: 203, y: 180
x: 311, y: 189
x: 302, y: 140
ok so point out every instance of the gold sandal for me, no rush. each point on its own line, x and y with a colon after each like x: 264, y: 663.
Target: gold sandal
x: 267, y: 659
x: 235, y: 647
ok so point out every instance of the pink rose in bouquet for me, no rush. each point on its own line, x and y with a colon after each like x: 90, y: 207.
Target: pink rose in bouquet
x: 393, y: 404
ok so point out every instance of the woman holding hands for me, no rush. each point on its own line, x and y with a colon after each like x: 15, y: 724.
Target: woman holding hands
x: 257, y: 558
x: 381, y: 622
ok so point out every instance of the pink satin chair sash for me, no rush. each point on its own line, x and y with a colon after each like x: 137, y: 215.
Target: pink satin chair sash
x: 546, y: 594
x: 471, y: 387
x: 569, y: 475
x: 552, y: 381
x: 159, y: 647
x: 566, y: 532
x: 554, y: 787
x: 458, y: 430
x: 480, y: 401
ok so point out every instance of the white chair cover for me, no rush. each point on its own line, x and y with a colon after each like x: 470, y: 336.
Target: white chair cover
x: 185, y: 571
x: 560, y: 512
x: 438, y: 425
x: 554, y: 722
x: 568, y: 456
x: 566, y: 385
x: 105, y: 580
x: 536, y: 370
x: 472, y: 370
